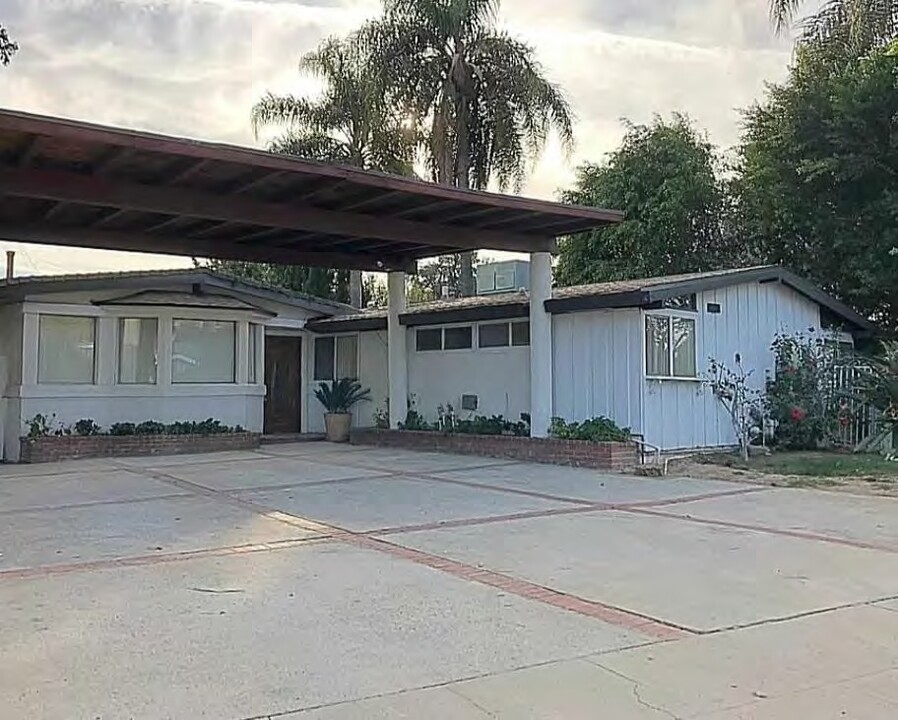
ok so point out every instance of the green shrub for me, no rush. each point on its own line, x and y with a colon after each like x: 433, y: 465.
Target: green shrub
x: 149, y: 427
x: 40, y: 425
x: 87, y: 426
x: 123, y: 428
x: 598, y: 429
x: 801, y: 398
x: 179, y: 427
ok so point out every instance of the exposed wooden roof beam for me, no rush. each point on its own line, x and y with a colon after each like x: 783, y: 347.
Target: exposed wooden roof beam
x: 194, y: 167
x: 28, y: 150
x: 70, y: 187
x: 115, y: 240
x: 110, y: 159
x: 55, y: 211
x: 110, y: 217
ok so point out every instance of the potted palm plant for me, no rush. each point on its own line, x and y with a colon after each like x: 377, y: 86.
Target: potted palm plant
x: 338, y: 398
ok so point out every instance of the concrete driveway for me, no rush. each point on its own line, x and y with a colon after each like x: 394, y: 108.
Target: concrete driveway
x: 320, y: 582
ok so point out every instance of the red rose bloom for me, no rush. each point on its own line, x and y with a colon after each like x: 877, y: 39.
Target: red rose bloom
x: 798, y: 414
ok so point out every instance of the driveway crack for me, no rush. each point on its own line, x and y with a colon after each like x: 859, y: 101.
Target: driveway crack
x: 636, y: 685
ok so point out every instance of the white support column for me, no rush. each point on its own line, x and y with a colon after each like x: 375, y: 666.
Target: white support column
x: 396, y: 348
x: 540, y: 344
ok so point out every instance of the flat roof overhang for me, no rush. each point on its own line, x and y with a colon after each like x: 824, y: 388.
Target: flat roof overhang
x: 72, y: 183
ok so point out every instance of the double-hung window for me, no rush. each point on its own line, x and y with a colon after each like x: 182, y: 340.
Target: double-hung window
x: 670, y: 347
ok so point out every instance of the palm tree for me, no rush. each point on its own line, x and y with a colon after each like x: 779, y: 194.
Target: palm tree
x: 842, y: 27
x: 351, y: 122
x: 8, y: 47
x: 484, y: 98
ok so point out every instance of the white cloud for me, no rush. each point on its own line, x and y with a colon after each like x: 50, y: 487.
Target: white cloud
x: 195, y: 67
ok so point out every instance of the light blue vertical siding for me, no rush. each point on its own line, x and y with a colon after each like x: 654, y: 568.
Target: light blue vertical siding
x: 595, y: 354
x: 683, y: 414
x: 600, y: 368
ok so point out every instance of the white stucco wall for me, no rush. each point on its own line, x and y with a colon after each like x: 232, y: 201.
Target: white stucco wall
x: 500, y: 377
x: 683, y: 414
x: 597, y: 371
x: 106, y: 401
x: 10, y: 374
x: 372, y: 365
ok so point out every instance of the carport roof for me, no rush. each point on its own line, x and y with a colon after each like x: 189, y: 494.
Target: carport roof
x: 64, y: 182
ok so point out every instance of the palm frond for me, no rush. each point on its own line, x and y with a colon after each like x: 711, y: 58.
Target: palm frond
x: 782, y: 13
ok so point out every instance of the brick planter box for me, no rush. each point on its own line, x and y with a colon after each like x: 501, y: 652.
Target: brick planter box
x: 578, y: 453
x: 73, y: 447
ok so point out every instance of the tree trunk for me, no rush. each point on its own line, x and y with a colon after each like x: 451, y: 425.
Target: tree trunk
x: 355, y: 288
x: 462, y: 180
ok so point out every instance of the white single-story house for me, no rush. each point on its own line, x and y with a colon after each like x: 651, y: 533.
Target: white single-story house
x: 190, y: 344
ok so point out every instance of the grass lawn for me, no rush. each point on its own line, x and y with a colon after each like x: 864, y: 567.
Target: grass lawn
x: 816, y: 464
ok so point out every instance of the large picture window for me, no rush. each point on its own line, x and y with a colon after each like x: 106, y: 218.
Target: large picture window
x: 670, y: 346
x: 65, y: 352
x: 137, y: 351
x: 336, y: 358
x: 203, y: 351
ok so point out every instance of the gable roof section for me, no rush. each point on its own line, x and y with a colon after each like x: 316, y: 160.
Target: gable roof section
x: 18, y: 288
x: 643, y: 292
x: 647, y: 291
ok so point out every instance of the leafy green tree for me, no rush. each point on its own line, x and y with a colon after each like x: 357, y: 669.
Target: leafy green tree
x: 481, y: 94
x: 666, y: 178
x: 841, y: 29
x: 8, y: 47
x: 349, y: 123
x: 444, y: 271
x: 321, y: 282
x: 818, y: 182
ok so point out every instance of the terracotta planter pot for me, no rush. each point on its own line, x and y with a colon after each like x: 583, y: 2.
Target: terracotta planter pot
x: 337, y: 426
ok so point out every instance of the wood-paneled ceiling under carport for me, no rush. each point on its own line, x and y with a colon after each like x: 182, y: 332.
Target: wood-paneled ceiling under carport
x: 72, y: 183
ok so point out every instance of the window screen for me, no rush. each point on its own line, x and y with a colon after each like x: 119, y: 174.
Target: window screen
x: 492, y: 335
x: 457, y: 338
x: 520, y: 333
x: 203, y: 351
x: 324, y: 358
x: 137, y: 351
x: 65, y: 351
x: 429, y: 340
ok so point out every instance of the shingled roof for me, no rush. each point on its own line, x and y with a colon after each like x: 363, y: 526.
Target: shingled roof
x: 640, y: 292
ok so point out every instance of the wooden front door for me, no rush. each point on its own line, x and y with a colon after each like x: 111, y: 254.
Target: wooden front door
x: 282, y: 384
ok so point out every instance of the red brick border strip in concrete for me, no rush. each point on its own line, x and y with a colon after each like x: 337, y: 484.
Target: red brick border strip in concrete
x: 488, y: 520
x: 531, y: 591
x: 799, y: 534
x: 436, y: 477
x: 93, y: 503
x: 157, y: 559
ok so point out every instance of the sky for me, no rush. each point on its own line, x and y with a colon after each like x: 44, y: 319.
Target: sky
x: 195, y: 67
